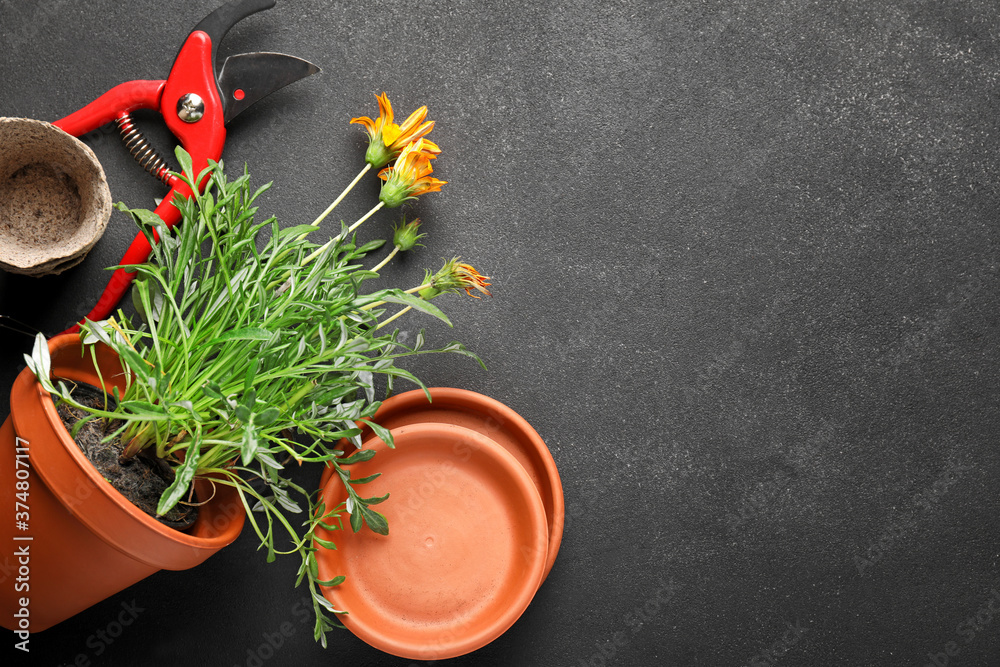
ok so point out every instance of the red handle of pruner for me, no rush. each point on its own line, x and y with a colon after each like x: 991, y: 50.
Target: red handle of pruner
x: 203, y: 139
x: 137, y: 253
x: 123, y: 98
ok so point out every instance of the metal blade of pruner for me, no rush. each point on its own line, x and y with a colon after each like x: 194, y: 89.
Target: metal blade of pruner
x: 248, y: 77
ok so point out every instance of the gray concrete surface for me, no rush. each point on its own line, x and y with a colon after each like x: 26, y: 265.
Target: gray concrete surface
x: 745, y: 268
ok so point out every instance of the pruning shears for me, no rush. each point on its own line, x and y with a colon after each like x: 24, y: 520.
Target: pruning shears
x: 198, y: 98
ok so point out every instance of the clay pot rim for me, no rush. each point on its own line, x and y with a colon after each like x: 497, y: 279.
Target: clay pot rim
x: 111, y: 529
x: 518, y: 597
x: 413, y: 402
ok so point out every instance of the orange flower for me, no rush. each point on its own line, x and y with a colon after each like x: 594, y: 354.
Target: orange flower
x: 455, y: 276
x: 386, y: 139
x: 409, y: 176
x: 472, y: 279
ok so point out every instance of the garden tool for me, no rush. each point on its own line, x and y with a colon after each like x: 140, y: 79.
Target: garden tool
x: 197, y: 99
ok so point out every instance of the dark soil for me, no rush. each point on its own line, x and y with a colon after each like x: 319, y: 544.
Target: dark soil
x: 142, y: 478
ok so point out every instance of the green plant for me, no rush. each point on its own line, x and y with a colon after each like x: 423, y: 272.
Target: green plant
x: 255, y: 348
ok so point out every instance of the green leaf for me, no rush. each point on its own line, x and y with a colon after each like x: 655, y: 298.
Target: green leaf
x: 357, y: 457
x: 323, y: 602
x: 336, y: 581
x: 96, y: 329
x: 213, y: 390
x: 134, y: 362
x: 250, y: 394
x: 365, y: 480
x: 457, y: 348
x: 297, y: 230
x: 285, y: 501
x: 266, y: 418
x: 356, y: 519
x: 144, y: 410
x: 246, y: 333
x: 375, y: 520
x: 251, y: 442
x: 365, y: 379
x: 333, y: 393
x: 185, y: 405
x: 184, y: 158
x: 370, y: 246
x: 145, y: 217
x: 424, y: 306
x: 326, y: 544
x: 147, y: 291
x: 40, y: 362
x: 268, y: 460
x: 384, y: 434
x: 376, y: 500
x: 182, y: 480
x: 356, y: 345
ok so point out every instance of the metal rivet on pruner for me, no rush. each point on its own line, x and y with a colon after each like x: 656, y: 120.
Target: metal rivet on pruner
x: 190, y: 108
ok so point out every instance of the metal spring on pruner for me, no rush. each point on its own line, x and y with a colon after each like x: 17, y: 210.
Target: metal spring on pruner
x: 144, y: 154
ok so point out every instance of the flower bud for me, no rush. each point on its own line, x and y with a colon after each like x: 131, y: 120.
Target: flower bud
x: 405, y: 236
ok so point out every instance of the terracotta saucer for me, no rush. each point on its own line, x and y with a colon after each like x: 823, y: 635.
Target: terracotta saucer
x: 494, y: 420
x: 465, y: 551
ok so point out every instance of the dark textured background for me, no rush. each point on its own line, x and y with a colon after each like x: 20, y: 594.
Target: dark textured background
x: 745, y: 265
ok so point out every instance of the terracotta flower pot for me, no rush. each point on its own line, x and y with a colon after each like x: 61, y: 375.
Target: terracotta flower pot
x: 72, y: 540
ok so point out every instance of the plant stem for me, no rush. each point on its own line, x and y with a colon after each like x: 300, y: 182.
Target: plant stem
x: 367, y: 215
x: 319, y: 251
x: 390, y: 319
x: 322, y: 217
x: 385, y: 261
x: 333, y: 205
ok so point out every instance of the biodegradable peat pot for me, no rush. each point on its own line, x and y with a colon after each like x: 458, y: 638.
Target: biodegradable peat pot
x: 54, y: 198
x: 74, y: 540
